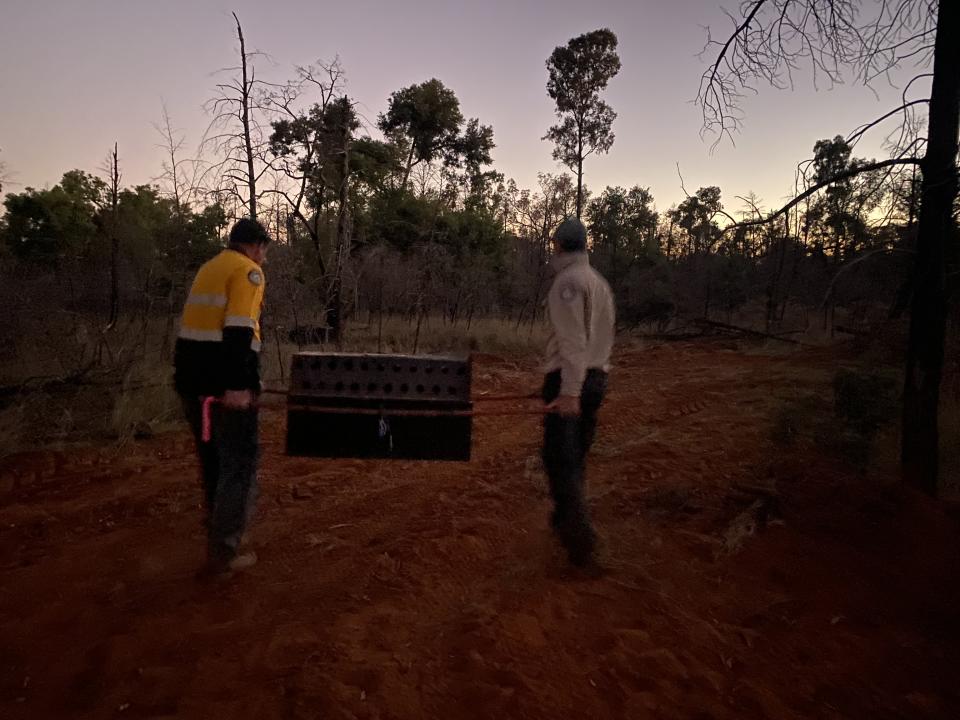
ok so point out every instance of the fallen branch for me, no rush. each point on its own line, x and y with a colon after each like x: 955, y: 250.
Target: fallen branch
x: 748, y: 332
x: 851, y: 331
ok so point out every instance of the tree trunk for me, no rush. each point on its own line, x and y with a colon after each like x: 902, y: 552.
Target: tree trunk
x: 245, y: 119
x: 380, y: 310
x: 579, y: 184
x: 406, y: 171
x: 337, y: 320
x: 416, y: 336
x: 114, y: 240
x: 928, y: 311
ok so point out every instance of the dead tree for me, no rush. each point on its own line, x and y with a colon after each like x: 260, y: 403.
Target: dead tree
x: 113, y: 168
x: 768, y: 43
x: 236, y: 133
x: 180, y: 175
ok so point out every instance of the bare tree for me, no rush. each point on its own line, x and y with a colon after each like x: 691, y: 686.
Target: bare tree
x: 112, y: 168
x: 180, y: 174
x: 771, y: 39
x: 236, y: 132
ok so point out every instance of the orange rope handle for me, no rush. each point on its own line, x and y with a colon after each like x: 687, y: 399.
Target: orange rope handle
x: 505, y: 398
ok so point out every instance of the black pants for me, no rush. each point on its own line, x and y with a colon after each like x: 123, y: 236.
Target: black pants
x: 228, y: 465
x: 566, y: 442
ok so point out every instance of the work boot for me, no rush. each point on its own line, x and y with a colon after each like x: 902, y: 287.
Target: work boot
x: 225, y: 568
x: 243, y: 562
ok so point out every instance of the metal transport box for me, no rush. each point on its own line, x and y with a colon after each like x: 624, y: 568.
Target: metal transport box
x: 409, y: 407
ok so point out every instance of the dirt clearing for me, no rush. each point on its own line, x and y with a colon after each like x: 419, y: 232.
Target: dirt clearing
x: 744, y: 580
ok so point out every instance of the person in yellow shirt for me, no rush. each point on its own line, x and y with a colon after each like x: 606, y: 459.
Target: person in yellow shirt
x: 217, y: 355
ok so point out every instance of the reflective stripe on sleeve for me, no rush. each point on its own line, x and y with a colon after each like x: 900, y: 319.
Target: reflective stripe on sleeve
x: 208, y: 299
x: 239, y: 321
x: 201, y: 335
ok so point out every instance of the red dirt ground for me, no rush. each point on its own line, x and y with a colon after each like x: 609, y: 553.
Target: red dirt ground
x: 410, y: 590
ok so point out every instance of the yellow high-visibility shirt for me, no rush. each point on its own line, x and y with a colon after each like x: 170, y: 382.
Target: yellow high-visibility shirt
x: 227, y: 292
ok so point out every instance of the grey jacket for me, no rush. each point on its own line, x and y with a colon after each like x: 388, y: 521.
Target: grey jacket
x: 582, y: 314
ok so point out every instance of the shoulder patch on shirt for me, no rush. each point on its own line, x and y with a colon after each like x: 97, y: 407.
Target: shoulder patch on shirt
x: 255, y: 277
x: 568, y: 293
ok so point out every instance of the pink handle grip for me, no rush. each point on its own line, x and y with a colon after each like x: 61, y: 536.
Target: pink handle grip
x: 206, y: 430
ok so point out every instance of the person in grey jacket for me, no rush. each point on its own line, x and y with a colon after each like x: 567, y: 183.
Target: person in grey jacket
x: 582, y: 316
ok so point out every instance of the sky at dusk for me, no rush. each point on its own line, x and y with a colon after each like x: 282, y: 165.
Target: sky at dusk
x: 77, y: 75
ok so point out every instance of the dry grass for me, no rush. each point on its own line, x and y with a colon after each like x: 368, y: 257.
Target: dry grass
x: 485, y: 335
x: 130, y: 395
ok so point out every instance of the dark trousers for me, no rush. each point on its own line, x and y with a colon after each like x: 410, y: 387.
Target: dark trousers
x: 566, y: 442
x: 228, y: 465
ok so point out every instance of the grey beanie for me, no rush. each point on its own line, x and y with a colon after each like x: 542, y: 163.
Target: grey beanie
x: 571, y: 235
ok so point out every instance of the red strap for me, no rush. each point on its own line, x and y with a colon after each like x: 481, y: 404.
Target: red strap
x: 206, y: 430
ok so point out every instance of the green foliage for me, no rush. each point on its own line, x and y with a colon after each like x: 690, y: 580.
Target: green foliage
x: 68, y: 223
x: 624, y: 221
x: 697, y: 217
x: 581, y: 69
x: 310, y: 147
x: 623, y: 231
x: 428, y: 115
x: 45, y: 227
x: 372, y: 162
x: 401, y: 220
x: 837, y: 219
x: 425, y: 119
